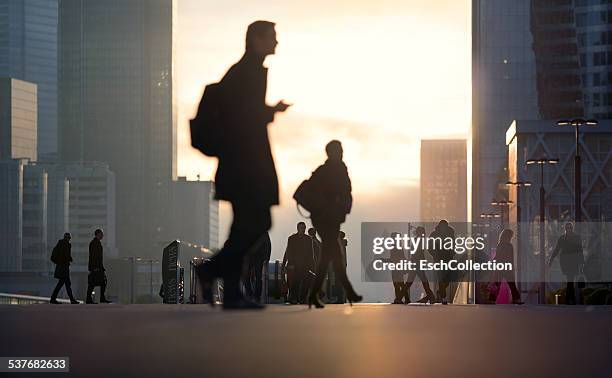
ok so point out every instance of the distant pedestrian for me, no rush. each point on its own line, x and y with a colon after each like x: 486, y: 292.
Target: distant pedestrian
x: 298, y: 264
x: 569, y: 249
x: 62, y: 258
x: 416, y: 258
x: 504, y: 253
x: 442, y: 252
x: 257, y: 259
x: 97, y: 272
x: 396, y: 255
x: 315, y: 245
x: 334, y: 187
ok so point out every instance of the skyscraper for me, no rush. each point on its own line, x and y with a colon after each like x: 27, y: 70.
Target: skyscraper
x: 533, y: 59
x: 117, y: 105
x: 195, y: 213
x: 28, y: 51
x: 18, y: 119
x: 91, y: 205
x: 35, y: 257
x: 443, y: 180
x: 503, y: 89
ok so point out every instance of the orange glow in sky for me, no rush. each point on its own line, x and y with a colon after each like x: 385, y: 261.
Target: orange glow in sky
x: 377, y: 75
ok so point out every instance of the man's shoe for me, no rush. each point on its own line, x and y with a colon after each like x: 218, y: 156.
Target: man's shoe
x: 74, y: 301
x: 444, y: 301
x: 54, y: 301
x: 104, y: 300
x: 397, y: 301
x: 90, y: 301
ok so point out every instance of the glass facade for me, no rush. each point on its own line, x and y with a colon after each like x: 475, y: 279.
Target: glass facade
x: 28, y: 51
x: 11, y: 223
x: 533, y: 59
x: 117, y: 105
x: 35, y: 256
x: 443, y: 180
x: 18, y: 119
x: 503, y: 89
x: 195, y: 213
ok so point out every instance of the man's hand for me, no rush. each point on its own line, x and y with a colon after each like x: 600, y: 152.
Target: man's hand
x: 281, y: 106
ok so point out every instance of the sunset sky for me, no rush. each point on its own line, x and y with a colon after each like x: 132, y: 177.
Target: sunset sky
x: 377, y: 75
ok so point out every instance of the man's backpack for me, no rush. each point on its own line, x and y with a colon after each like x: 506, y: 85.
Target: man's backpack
x: 206, y: 129
x: 308, y: 196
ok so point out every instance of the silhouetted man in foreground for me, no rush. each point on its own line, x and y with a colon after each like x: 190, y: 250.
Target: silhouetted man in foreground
x: 97, y: 275
x: 62, y: 258
x: 334, y: 186
x: 246, y: 176
x: 298, y: 262
x: 257, y: 259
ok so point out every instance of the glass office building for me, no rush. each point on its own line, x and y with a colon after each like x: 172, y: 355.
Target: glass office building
x: 28, y: 51
x: 503, y: 89
x: 18, y: 119
x: 531, y: 60
x: 117, y: 105
x: 443, y: 181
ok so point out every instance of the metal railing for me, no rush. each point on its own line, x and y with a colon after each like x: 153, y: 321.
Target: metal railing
x: 20, y: 299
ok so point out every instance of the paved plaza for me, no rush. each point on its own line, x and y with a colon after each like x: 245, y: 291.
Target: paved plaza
x: 366, y: 340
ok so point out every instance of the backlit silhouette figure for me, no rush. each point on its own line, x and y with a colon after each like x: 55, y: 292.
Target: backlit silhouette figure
x: 569, y: 249
x: 440, y: 253
x: 298, y: 262
x: 416, y: 258
x: 504, y: 253
x: 246, y: 176
x: 257, y: 259
x: 62, y: 258
x: 97, y: 272
x: 334, y: 185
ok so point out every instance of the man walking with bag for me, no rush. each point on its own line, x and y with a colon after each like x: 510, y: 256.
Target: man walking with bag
x: 97, y: 275
x: 246, y: 176
x: 62, y: 258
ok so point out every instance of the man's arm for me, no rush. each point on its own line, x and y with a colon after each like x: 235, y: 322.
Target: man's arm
x: 286, y: 255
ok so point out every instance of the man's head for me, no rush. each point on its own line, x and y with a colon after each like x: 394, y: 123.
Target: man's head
x: 99, y: 234
x: 443, y: 223
x: 312, y: 232
x: 67, y: 236
x: 569, y: 227
x: 301, y: 227
x: 261, y: 38
x: 419, y: 231
x: 334, y: 150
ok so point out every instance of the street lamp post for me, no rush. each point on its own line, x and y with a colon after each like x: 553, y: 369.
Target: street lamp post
x: 502, y: 205
x: 488, y: 217
x: 541, y: 162
x: 518, y: 185
x: 131, y: 259
x: 576, y: 123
